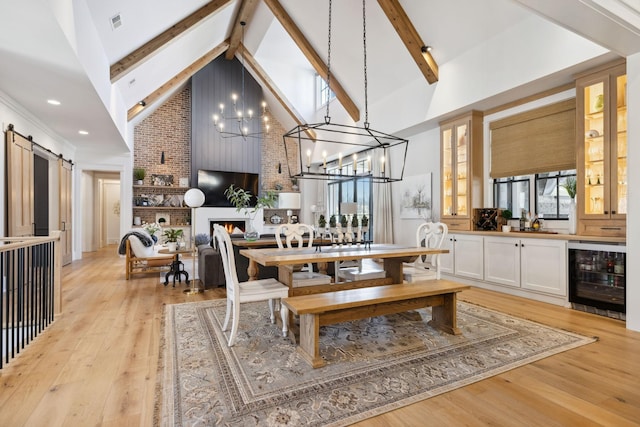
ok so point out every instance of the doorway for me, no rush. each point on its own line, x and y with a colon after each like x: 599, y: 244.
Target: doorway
x: 41, y: 195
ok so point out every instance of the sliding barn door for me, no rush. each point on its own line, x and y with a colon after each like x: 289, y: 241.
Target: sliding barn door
x: 66, y: 224
x: 20, y: 221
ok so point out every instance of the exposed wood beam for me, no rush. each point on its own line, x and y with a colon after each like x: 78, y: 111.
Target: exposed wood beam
x: 135, y: 58
x: 312, y: 56
x: 179, y: 79
x: 411, y: 39
x: 247, y: 9
x: 270, y: 85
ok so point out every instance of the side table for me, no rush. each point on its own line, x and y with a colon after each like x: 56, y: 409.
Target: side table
x: 177, y: 266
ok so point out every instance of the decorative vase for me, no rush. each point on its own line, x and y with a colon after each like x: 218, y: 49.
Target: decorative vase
x: 154, y: 238
x: 251, y: 234
x: 599, y: 104
x: 172, y: 246
x: 572, y: 216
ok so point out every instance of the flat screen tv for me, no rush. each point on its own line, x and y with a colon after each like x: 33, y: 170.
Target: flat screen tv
x: 214, y: 183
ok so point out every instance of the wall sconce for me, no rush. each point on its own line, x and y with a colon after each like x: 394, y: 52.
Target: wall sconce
x: 162, y: 158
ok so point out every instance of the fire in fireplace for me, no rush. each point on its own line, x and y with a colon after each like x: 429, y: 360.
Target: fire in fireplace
x: 232, y: 226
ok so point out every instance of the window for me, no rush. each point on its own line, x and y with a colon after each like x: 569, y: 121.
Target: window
x: 552, y: 199
x: 357, y: 189
x: 323, y: 93
x: 512, y: 193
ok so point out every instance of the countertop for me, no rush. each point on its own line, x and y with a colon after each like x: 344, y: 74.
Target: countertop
x: 544, y: 235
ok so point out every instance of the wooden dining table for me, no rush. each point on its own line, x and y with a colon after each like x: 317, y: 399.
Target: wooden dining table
x: 393, y: 256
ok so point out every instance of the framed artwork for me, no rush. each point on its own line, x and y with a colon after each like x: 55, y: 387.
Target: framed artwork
x: 163, y: 219
x: 416, y: 197
x: 162, y: 180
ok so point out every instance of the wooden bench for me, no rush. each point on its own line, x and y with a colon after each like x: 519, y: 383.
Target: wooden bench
x: 353, y: 304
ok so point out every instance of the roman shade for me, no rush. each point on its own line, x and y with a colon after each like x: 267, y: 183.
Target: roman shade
x: 540, y: 140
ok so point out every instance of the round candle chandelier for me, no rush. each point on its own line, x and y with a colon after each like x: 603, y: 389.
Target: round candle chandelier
x: 240, y: 121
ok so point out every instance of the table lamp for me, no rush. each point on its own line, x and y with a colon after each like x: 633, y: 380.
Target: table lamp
x: 289, y: 201
x: 194, y: 198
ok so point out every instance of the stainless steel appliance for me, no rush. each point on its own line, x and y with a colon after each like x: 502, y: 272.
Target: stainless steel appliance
x: 597, y: 278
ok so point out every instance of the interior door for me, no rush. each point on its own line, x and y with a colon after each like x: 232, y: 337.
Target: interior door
x: 66, y: 223
x: 20, y: 220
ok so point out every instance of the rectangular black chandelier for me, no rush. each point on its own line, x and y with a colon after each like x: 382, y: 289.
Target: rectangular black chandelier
x: 354, y: 143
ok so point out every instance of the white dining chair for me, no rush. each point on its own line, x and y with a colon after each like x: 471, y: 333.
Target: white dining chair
x: 295, y: 235
x: 427, y: 267
x: 250, y: 291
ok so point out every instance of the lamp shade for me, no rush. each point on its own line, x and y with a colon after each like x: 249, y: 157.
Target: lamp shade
x: 348, y: 208
x: 289, y: 201
x: 194, y: 198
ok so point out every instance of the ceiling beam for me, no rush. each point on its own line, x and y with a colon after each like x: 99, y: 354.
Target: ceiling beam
x: 178, y: 79
x: 135, y: 58
x: 271, y: 87
x: 245, y: 13
x: 411, y: 39
x: 312, y: 56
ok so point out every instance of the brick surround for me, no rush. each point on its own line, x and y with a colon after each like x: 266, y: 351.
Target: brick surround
x: 168, y: 129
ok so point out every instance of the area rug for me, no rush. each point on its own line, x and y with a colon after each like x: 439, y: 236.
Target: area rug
x: 373, y: 365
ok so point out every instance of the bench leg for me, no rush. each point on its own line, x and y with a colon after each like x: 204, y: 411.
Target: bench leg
x: 444, y: 316
x: 309, y: 340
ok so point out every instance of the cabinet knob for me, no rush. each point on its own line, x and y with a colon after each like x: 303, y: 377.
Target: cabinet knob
x: 522, y: 245
x: 516, y: 245
x: 606, y: 212
x: 613, y: 212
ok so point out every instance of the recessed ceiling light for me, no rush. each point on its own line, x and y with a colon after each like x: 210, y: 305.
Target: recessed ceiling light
x: 53, y: 102
x: 83, y: 132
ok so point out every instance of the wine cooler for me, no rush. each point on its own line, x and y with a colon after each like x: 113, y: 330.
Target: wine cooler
x: 597, y: 280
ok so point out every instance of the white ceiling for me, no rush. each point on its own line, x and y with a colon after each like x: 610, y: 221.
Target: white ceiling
x: 40, y: 62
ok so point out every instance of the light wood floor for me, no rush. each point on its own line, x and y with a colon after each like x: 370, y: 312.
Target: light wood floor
x: 96, y: 364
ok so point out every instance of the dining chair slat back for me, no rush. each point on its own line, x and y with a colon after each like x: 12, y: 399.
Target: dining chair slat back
x: 269, y: 290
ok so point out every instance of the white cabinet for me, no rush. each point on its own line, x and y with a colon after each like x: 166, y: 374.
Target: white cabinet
x: 502, y: 260
x: 532, y: 264
x: 465, y: 257
x: 543, y: 265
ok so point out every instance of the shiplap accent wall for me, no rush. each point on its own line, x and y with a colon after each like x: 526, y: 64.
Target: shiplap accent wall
x: 211, y: 86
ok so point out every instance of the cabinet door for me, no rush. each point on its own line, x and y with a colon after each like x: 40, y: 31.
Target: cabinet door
x: 544, y: 266
x: 448, y: 172
x: 502, y: 260
x: 601, y: 129
x: 469, y: 256
x: 618, y: 173
x: 446, y: 260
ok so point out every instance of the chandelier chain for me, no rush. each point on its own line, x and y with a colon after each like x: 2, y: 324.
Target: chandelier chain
x: 364, y: 41
x: 327, y: 117
x: 242, y: 23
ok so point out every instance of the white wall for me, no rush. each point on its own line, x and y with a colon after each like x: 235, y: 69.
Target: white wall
x: 633, y: 196
x: 423, y: 156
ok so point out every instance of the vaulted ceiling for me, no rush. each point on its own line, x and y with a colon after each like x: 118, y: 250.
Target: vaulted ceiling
x: 70, y: 51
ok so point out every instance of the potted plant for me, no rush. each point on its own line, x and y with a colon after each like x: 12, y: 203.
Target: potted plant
x: 171, y: 236
x: 344, y: 221
x: 294, y: 184
x: 152, y: 228
x: 355, y: 222
x: 322, y: 223
x: 241, y: 199
x: 506, y: 215
x: 138, y: 175
x: 570, y: 186
x: 365, y: 223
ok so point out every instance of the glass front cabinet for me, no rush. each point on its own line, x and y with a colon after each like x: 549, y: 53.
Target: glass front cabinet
x: 601, y: 129
x: 461, y: 173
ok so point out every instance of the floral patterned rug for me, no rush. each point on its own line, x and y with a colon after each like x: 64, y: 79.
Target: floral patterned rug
x: 373, y: 365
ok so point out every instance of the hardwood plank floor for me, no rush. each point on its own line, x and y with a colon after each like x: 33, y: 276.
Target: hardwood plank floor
x: 96, y: 364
